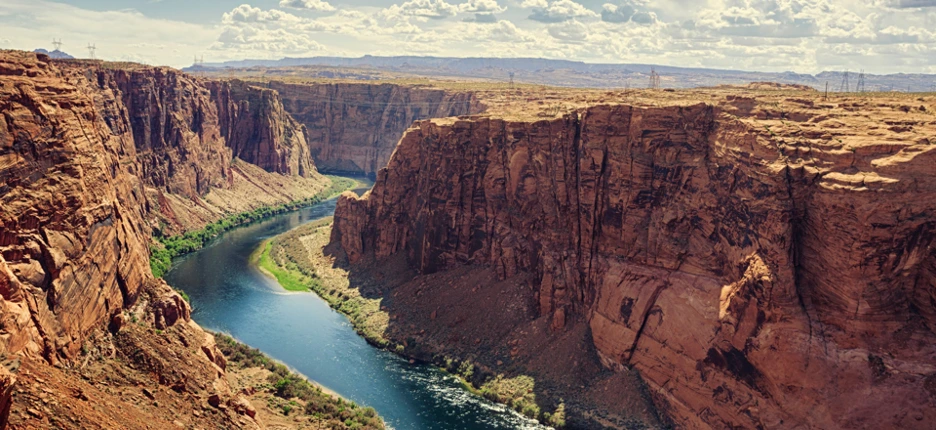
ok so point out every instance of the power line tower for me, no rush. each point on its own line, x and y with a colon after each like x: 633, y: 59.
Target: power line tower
x: 844, y: 88
x: 91, y: 49
x: 860, y: 87
x: 654, y: 79
x: 511, y: 80
x: 57, y: 43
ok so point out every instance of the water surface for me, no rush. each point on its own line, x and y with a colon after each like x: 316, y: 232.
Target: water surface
x: 299, y: 329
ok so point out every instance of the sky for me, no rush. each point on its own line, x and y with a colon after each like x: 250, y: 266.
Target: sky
x: 805, y: 36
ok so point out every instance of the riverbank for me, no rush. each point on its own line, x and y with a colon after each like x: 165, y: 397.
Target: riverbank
x: 285, y: 398
x: 299, y: 261
x: 165, y: 249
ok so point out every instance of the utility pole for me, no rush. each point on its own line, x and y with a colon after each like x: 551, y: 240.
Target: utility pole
x: 844, y: 87
x: 57, y: 43
x: 826, y: 90
x: 654, y: 79
x: 91, y: 49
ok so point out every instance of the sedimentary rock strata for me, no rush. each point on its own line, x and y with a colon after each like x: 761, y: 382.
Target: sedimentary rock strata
x: 92, y: 155
x: 353, y: 128
x: 762, y: 262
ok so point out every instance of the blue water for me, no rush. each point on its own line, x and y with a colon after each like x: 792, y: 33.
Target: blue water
x: 299, y: 329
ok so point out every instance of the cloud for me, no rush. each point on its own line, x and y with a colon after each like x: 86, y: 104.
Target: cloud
x: 557, y: 11
x: 249, y: 14
x: 483, y: 18
x: 481, y: 6
x: 617, y: 14
x: 432, y: 9
x: 570, y: 31
x: 251, y: 39
x: 315, y: 5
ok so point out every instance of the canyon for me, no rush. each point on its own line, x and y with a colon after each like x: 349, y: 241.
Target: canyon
x: 735, y: 257
x: 760, y: 259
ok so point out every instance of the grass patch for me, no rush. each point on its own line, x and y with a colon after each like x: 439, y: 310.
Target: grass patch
x: 289, y: 279
x: 166, y: 248
x: 295, y: 259
x: 297, y: 394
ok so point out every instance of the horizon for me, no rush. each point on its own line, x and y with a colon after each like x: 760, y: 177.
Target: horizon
x: 771, y: 36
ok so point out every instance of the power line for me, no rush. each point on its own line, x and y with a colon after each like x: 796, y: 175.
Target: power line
x: 654, y: 79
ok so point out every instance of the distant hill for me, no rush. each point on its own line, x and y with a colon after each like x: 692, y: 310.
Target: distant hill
x: 580, y: 74
x: 56, y: 54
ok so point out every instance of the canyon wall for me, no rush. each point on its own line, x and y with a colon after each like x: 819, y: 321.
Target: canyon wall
x: 773, y: 274
x: 90, y: 153
x: 259, y: 131
x: 94, y: 157
x: 353, y: 128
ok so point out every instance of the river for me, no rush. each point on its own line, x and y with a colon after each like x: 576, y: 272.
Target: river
x: 230, y: 295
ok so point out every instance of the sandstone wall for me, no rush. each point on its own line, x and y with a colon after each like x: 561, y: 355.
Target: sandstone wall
x: 752, y: 279
x: 90, y: 154
x: 259, y: 131
x: 353, y: 128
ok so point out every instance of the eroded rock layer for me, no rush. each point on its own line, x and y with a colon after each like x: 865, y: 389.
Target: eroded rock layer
x: 759, y: 267
x: 259, y: 131
x: 353, y: 128
x: 92, y: 154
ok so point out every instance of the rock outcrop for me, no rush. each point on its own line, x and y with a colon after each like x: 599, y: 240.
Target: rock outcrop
x: 760, y: 269
x: 259, y: 131
x: 353, y: 128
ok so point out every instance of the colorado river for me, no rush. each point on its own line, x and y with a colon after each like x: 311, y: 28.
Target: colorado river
x: 299, y: 329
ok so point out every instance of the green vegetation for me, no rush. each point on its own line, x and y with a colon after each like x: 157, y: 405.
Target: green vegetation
x: 167, y: 248
x: 515, y: 392
x: 297, y: 393
x: 291, y: 280
x: 287, y: 258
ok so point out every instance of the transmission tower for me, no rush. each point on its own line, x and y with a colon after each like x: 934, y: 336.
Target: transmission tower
x: 511, y: 80
x: 654, y: 79
x: 860, y: 87
x: 57, y: 43
x: 91, y: 49
x: 844, y: 88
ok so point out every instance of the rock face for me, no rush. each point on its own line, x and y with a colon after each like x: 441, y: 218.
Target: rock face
x: 757, y: 274
x: 259, y: 131
x: 89, y: 153
x: 353, y: 128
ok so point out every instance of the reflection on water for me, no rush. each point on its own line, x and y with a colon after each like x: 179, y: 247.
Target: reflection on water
x: 300, y: 330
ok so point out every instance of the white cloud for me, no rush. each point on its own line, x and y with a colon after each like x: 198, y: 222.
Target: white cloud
x: 773, y: 35
x: 434, y: 9
x: 557, y: 11
x: 247, y: 13
x: 481, y: 6
x: 315, y: 5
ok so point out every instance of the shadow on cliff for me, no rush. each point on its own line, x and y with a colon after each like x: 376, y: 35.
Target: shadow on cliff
x: 471, y: 323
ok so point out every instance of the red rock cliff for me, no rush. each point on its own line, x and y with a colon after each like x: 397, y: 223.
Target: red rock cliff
x: 259, y: 131
x: 755, y: 276
x: 354, y: 128
x: 81, y: 143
